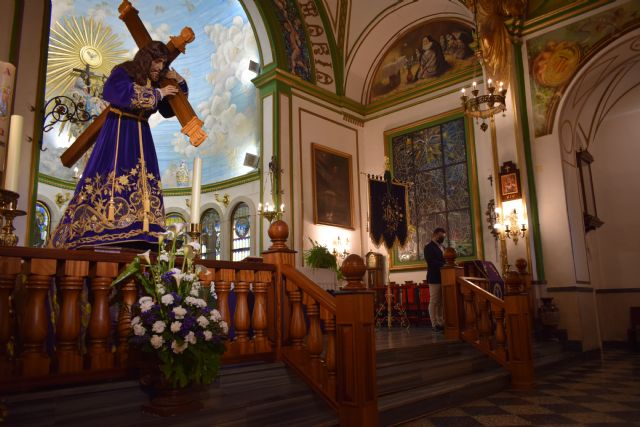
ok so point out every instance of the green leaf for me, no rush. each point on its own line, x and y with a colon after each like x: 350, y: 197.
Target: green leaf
x: 131, y: 269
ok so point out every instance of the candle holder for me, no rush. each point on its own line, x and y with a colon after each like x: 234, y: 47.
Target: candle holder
x: 270, y: 212
x: 8, y: 212
x: 194, y: 232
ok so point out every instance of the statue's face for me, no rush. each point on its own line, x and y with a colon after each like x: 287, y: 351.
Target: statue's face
x: 157, y: 65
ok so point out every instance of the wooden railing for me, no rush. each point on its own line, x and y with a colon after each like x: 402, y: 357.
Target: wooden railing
x: 59, y: 322
x: 328, y: 339
x: 499, y: 328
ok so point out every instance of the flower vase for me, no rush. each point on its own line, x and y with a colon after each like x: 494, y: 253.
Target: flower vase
x: 169, y: 401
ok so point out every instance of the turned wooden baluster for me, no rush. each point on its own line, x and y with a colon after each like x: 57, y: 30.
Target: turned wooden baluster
x: 242, y: 318
x: 35, y: 362
x: 68, y: 329
x: 500, y: 336
x: 259, y: 319
x: 224, y: 277
x: 314, y: 338
x: 128, y: 291
x: 206, y: 277
x: 470, y: 330
x: 297, y: 326
x: 484, y: 325
x: 100, y: 355
x: 330, y: 354
x: 9, y: 270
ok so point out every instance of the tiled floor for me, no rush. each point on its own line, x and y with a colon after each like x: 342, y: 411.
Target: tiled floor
x: 589, y: 393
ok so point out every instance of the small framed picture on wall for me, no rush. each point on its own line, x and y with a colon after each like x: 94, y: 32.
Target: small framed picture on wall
x: 510, y: 182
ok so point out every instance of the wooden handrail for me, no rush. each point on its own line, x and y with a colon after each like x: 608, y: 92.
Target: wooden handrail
x: 500, y: 328
x: 324, y: 298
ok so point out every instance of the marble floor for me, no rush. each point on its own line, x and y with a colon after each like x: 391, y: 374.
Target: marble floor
x: 589, y: 393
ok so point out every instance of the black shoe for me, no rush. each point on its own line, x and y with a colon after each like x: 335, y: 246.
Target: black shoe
x: 439, y: 329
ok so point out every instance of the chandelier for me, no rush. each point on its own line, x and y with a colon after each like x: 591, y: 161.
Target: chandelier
x: 484, y: 106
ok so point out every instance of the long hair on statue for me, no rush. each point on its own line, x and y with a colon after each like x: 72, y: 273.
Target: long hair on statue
x: 138, y: 68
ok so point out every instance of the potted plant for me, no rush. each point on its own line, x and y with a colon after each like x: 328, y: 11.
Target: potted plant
x: 175, y: 322
x: 321, y: 266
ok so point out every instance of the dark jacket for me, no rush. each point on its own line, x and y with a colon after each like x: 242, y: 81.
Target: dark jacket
x: 435, y: 259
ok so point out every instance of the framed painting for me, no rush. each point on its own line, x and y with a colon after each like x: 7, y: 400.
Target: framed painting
x: 436, y: 157
x: 332, y: 187
x: 510, y: 182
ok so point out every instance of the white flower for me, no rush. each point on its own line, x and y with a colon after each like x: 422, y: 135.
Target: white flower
x: 176, y: 228
x: 163, y: 257
x: 191, y: 338
x: 145, y: 257
x: 202, y: 321
x: 195, y: 246
x: 196, y: 302
x: 179, y: 348
x: 208, y: 335
x: 157, y: 341
x: 194, y: 292
x: 175, y: 271
x: 175, y: 326
x: 178, y: 277
x: 146, y: 306
x: 224, y: 326
x: 158, y: 326
x: 145, y: 300
x: 180, y: 252
x: 215, y: 315
x: 135, y: 320
x: 179, y: 312
x: 139, y: 330
x: 167, y: 299
x: 190, y: 277
x: 160, y: 289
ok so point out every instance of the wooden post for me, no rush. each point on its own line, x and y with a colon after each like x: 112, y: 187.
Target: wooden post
x: 525, y: 276
x: 124, y: 322
x: 451, y: 296
x: 100, y: 355
x: 242, y: 318
x: 278, y: 254
x: 68, y: 330
x: 9, y: 270
x: 224, y: 277
x: 518, y: 325
x: 356, y: 392
x: 259, y: 319
x: 35, y: 362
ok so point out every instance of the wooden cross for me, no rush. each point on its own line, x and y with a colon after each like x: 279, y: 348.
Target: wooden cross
x: 191, y: 124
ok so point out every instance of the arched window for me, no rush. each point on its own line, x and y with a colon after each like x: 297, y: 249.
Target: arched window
x: 173, y: 218
x: 241, y: 232
x: 210, y: 237
x: 43, y: 225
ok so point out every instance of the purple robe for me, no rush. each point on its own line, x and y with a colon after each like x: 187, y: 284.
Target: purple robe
x: 113, y: 209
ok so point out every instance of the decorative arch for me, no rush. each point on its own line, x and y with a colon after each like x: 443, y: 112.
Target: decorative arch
x: 211, y: 234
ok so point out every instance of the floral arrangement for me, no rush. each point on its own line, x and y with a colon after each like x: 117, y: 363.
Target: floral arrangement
x: 176, y: 320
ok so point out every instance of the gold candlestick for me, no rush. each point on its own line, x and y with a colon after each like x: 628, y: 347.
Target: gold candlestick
x: 8, y: 211
x: 194, y: 235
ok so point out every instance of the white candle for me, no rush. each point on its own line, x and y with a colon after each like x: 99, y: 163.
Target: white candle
x: 195, y: 190
x: 13, y: 153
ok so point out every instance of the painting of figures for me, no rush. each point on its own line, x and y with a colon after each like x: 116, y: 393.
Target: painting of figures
x: 426, y: 53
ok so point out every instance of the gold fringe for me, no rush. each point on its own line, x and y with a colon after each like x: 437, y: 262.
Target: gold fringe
x: 145, y: 223
x: 111, y: 216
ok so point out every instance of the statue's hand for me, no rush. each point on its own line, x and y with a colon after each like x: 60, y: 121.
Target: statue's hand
x: 168, y: 90
x: 173, y: 74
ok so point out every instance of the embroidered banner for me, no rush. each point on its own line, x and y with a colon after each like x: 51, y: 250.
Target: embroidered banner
x: 388, y: 212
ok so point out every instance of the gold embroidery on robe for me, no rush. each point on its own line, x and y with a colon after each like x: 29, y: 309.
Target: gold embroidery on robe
x: 89, y: 209
x: 144, y: 97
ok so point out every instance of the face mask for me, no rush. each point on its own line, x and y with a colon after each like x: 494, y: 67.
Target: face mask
x: 440, y: 240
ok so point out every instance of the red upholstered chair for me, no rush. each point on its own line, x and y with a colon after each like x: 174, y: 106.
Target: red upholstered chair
x: 411, y: 302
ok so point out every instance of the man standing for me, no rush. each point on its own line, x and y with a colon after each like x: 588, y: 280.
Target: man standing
x: 434, y: 256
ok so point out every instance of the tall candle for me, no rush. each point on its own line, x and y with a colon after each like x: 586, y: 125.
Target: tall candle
x: 13, y: 153
x: 195, y: 190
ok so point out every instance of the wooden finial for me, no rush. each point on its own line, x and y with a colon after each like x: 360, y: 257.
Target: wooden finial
x: 513, y: 283
x: 353, y: 270
x: 521, y: 265
x: 278, y: 233
x: 450, y: 257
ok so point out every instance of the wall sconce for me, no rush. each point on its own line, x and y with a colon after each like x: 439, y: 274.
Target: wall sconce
x: 511, y: 226
x: 225, y: 199
x: 340, y: 248
x: 270, y: 212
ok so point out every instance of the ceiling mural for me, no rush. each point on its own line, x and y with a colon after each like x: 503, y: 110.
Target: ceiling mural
x: 87, y: 39
x: 555, y: 57
x: 426, y: 53
x: 537, y: 8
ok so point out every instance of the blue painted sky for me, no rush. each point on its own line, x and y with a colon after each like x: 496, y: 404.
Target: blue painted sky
x: 215, y: 66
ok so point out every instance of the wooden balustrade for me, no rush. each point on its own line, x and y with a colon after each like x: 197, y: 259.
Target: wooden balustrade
x: 277, y: 313
x: 499, y: 328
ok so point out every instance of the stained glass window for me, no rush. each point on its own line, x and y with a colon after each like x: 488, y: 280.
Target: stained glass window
x: 210, y: 237
x: 435, y: 159
x: 240, y: 232
x: 42, y: 224
x: 173, y: 218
